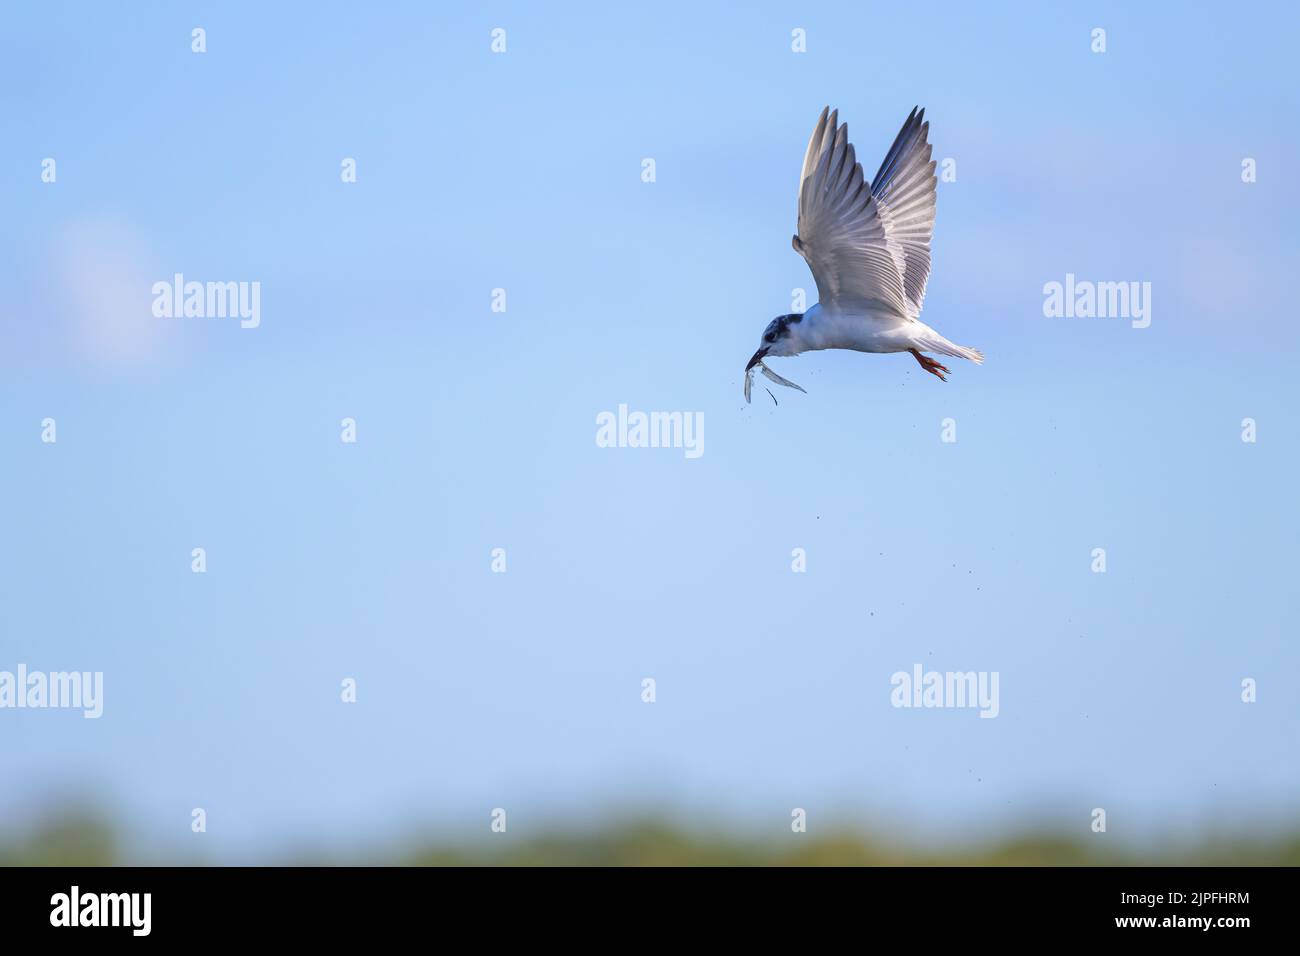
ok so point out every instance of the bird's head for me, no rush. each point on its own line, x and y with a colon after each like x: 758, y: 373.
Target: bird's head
x: 778, y: 339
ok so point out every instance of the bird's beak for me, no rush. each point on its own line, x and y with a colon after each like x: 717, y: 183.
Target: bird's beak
x: 758, y: 357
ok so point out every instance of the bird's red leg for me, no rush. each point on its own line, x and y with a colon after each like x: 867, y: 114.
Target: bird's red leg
x: 930, y: 365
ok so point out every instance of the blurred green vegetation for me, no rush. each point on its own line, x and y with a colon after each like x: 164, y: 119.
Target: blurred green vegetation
x: 62, y: 840
x: 82, y: 840
x: 654, y: 844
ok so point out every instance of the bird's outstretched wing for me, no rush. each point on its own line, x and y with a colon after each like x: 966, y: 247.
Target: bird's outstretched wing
x: 868, y: 242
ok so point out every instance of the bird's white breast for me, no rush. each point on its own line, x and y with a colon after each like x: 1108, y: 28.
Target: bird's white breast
x: 863, y: 328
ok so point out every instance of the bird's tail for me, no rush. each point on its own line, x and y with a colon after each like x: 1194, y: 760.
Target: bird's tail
x: 937, y: 343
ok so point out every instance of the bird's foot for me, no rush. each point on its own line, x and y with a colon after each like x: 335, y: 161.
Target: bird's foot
x: 930, y: 365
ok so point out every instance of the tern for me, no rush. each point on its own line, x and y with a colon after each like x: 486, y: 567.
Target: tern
x: 868, y: 247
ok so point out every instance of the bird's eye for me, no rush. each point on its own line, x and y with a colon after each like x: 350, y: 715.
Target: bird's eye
x: 769, y: 337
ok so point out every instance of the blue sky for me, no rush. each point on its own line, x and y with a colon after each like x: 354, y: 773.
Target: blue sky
x: 476, y: 428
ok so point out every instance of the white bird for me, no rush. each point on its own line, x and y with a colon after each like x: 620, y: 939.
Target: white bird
x: 868, y: 246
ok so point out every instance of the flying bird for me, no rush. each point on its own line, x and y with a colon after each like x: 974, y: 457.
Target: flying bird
x: 868, y: 246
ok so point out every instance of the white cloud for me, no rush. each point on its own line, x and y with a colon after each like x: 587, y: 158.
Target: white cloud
x: 102, y: 283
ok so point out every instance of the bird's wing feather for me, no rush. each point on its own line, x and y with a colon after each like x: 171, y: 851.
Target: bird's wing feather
x: 905, y: 188
x: 867, y: 244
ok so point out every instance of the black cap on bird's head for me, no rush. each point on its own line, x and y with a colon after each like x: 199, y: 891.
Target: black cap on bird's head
x: 777, y: 332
